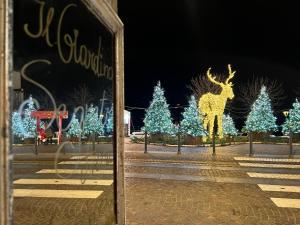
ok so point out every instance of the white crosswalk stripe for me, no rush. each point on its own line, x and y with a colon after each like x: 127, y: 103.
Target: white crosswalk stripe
x: 287, y: 202
x: 85, y: 162
x: 276, y: 163
x: 64, y: 181
x: 269, y: 165
x: 28, y: 188
x: 95, y: 157
x: 42, y: 193
x: 266, y: 159
x: 75, y: 171
x: 279, y: 188
x: 275, y: 176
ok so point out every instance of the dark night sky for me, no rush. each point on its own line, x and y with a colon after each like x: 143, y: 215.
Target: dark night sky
x: 173, y: 41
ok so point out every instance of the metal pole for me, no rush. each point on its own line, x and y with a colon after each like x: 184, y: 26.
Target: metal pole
x: 291, y: 143
x: 35, y: 145
x: 146, y: 140
x: 179, y: 144
x: 251, y: 144
x: 59, y: 138
x: 214, y: 143
x: 94, y: 140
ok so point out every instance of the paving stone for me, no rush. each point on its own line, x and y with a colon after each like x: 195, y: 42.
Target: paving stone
x: 208, y: 201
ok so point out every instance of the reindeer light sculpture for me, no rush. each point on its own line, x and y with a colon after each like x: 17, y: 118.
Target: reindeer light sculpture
x: 212, y: 105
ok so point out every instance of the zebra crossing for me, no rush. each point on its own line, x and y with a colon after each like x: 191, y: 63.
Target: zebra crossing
x: 77, y: 182
x: 42, y: 193
x: 292, y: 172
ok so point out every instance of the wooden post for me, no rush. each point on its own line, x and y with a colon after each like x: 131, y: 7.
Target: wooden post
x: 6, y: 23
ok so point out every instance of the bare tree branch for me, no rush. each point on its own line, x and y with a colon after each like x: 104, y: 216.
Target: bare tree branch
x: 297, y: 92
x: 81, y: 96
x: 249, y: 92
x: 201, y: 85
x: 245, y: 95
x: 44, y: 100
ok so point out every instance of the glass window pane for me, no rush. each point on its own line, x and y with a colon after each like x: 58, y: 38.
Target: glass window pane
x: 62, y: 119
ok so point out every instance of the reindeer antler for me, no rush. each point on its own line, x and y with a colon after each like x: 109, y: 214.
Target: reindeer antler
x: 211, y: 78
x: 231, y: 74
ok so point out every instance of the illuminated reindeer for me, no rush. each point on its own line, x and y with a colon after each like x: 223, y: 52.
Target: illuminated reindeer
x: 212, y: 105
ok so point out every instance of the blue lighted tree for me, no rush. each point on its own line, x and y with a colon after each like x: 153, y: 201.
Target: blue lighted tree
x: 100, y: 126
x: 158, y: 117
x: 29, y: 123
x: 261, y: 118
x: 17, y: 125
x: 109, y: 125
x: 92, y: 122
x: 192, y: 122
x: 75, y: 130
x: 293, y: 120
x: 228, y: 126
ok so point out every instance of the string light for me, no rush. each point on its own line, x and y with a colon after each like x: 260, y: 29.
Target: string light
x: 212, y: 105
x: 261, y: 118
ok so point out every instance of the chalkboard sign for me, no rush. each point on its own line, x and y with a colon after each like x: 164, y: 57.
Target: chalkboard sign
x: 66, y: 57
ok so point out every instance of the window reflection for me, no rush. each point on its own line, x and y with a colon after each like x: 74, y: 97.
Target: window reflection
x: 62, y: 121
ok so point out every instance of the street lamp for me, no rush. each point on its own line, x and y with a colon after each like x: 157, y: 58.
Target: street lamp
x: 286, y: 113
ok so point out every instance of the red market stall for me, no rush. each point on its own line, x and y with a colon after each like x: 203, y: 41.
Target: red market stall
x: 60, y: 115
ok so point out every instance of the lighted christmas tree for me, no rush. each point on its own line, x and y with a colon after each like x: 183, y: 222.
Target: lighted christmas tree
x: 93, y: 123
x: 100, y: 127
x: 109, y: 125
x: 29, y: 123
x: 192, y: 122
x: 228, y: 126
x: 17, y: 125
x: 261, y: 118
x: 293, y: 120
x: 75, y: 130
x: 158, y: 117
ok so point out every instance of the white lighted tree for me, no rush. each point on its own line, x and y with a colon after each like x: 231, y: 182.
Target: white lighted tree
x: 109, y: 122
x: 158, y: 116
x: 292, y: 122
x: 228, y: 126
x: 29, y: 122
x: 92, y: 122
x: 17, y: 125
x: 75, y: 130
x: 192, y: 122
x: 261, y: 118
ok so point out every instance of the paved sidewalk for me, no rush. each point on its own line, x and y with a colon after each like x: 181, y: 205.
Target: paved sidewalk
x: 164, y: 188
x: 78, y: 189
x: 195, y: 188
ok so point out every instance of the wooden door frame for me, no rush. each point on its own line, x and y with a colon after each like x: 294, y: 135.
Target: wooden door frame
x: 106, y: 13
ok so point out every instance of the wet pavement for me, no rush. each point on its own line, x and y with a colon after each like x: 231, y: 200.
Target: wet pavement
x: 164, y: 188
x: 67, y: 188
